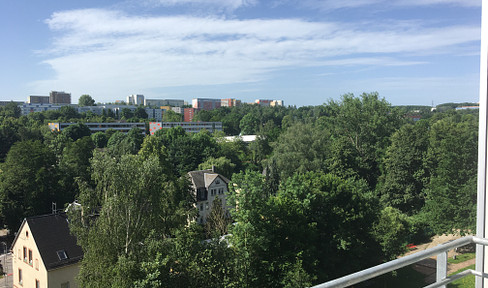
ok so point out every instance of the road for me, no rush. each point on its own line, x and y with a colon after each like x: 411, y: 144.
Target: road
x: 7, y: 280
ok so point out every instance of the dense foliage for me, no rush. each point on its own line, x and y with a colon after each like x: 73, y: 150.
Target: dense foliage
x: 353, y: 179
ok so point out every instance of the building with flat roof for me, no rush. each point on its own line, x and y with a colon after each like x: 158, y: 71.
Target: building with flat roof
x: 34, y: 99
x: 189, y: 127
x: 59, y: 97
x: 206, y: 103
x: 102, y: 127
x: 188, y: 114
x: 164, y: 102
x: 135, y: 99
x: 230, y: 102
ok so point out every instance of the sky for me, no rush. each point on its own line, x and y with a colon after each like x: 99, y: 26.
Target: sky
x: 305, y: 52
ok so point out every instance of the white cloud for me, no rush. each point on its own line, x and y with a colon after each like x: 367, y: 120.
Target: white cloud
x: 335, y: 4
x: 115, y: 53
x: 224, y: 4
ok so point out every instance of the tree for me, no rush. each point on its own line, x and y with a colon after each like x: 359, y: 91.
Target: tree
x: 76, y: 131
x: 450, y: 204
x: 249, y: 124
x: 86, y: 100
x: 27, y: 182
x: 404, y: 171
x: 74, y: 166
x: 221, y: 165
x: 301, y: 148
x: 11, y: 110
x: 99, y: 139
x: 140, y: 113
x: 360, y: 131
x: 128, y: 196
x: 316, y: 217
x: 126, y: 113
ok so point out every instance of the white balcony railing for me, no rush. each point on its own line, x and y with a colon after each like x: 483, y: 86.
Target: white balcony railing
x: 441, y: 252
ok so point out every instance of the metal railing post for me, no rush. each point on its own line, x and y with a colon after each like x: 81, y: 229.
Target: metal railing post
x: 482, y: 216
x: 441, y: 273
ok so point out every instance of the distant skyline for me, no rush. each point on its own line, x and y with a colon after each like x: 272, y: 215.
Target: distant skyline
x: 304, y: 52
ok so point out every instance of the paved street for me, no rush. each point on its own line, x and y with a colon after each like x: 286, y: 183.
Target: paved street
x: 6, y: 281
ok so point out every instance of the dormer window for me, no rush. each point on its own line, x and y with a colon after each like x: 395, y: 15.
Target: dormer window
x: 62, y: 255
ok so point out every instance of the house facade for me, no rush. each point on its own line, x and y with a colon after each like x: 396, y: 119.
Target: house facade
x: 45, y: 254
x: 208, y: 186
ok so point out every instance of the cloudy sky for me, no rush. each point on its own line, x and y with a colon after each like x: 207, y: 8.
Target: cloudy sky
x: 302, y: 51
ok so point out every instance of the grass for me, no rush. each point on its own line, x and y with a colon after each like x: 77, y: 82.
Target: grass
x: 465, y: 282
x: 461, y: 258
x: 406, y: 277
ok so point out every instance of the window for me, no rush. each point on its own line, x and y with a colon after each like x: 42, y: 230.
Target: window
x: 24, y: 255
x: 217, y: 182
x: 36, y: 264
x: 18, y: 254
x: 201, y: 207
x: 26, y: 234
x: 20, y: 276
x: 30, y: 257
x: 62, y: 254
x: 38, y: 284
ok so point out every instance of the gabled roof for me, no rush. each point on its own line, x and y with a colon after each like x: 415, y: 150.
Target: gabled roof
x: 203, y: 178
x: 52, y: 236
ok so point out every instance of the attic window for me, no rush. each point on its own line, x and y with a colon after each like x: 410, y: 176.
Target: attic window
x: 62, y: 255
x: 26, y: 234
x: 217, y: 182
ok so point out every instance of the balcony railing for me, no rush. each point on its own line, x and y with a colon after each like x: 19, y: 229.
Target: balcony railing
x: 441, y: 252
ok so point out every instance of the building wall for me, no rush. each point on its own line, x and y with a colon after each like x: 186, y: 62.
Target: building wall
x: 59, y: 97
x: 31, y: 271
x: 206, y: 103
x: 38, y: 99
x: 189, y: 127
x: 214, y: 191
x: 96, y: 127
x: 188, y: 114
x: 66, y: 274
x: 156, y: 114
x: 164, y: 102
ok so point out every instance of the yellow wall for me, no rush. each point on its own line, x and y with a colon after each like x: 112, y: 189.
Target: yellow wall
x: 65, y: 274
x: 30, y: 271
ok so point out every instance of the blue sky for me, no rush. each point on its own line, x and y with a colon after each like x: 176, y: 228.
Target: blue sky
x: 302, y: 51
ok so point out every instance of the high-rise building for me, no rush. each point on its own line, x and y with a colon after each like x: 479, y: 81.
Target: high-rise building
x: 59, y: 97
x: 164, y: 102
x: 188, y: 114
x: 206, y: 103
x: 33, y: 99
x: 135, y: 99
x: 265, y: 102
x: 230, y: 102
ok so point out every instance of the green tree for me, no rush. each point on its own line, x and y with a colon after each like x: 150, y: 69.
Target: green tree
x: 221, y: 165
x: 27, y: 182
x: 249, y: 124
x: 10, y: 110
x: 140, y: 113
x: 451, y: 162
x: 360, y: 132
x: 404, y: 172
x: 171, y: 116
x: 99, y: 139
x: 301, y: 148
x: 86, y: 100
x: 76, y: 131
x: 128, y: 195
